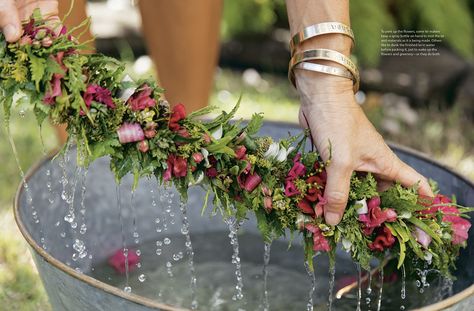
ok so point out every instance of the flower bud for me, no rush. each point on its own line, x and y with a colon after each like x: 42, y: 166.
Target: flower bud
x: 150, y: 133
x: 143, y: 146
x: 36, y: 44
x: 198, y: 157
x: 47, y: 42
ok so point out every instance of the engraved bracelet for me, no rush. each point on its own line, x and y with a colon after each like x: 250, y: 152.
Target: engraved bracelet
x: 318, y: 30
x: 324, y: 54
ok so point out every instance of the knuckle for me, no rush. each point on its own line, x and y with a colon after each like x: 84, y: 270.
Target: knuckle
x: 336, y: 198
x: 342, y: 163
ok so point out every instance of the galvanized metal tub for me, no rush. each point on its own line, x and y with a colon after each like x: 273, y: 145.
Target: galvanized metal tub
x: 68, y: 289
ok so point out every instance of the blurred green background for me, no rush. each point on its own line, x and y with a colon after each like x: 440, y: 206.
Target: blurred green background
x: 407, y: 103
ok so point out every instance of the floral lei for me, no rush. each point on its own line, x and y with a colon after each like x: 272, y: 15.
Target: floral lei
x: 109, y: 114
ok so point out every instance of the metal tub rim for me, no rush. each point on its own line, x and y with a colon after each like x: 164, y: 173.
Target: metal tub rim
x: 450, y: 301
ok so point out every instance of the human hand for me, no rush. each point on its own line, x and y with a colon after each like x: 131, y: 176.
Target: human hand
x: 329, y: 109
x: 13, y: 12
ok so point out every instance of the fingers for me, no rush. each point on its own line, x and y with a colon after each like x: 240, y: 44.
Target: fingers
x: 407, y: 176
x: 9, y: 20
x: 336, y: 192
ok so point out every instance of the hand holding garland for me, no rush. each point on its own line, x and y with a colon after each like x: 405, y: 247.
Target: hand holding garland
x: 284, y: 186
x: 329, y: 109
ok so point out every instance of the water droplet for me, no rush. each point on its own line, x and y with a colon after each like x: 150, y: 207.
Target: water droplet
x: 159, y: 243
x: 127, y: 289
x: 169, y: 264
x: 158, y: 251
x: 157, y: 220
x: 167, y: 241
x: 63, y: 234
x: 138, y: 252
x: 136, y: 235
x: 83, y: 229
x: 142, y: 278
x: 22, y: 113
x: 69, y: 218
x: 184, y: 230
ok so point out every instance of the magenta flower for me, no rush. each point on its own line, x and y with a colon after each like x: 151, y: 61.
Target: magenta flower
x: 98, y: 94
x: 297, y: 170
x: 176, y: 166
x: 290, y: 189
x: 50, y: 95
x: 142, y: 99
x: 118, y: 259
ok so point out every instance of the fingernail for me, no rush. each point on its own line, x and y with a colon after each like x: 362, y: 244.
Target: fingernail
x: 332, y: 218
x: 10, y: 31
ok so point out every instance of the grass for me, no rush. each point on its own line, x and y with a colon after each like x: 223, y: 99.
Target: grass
x: 443, y: 134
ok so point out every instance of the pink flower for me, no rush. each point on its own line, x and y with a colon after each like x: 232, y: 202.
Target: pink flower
x: 376, y: 216
x: 459, y: 226
x: 130, y: 132
x: 240, y: 152
x: 319, y: 208
x: 252, y: 181
x: 118, y: 259
x: 143, y: 146
x: 177, y: 167
x: 268, y: 204
x: 384, y: 240
x: 50, y: 95
x: 320, y: 243
x: 150, y: 133
x: 142, y: 99
x: 198, y: 157
x: 422, y: 237
x: 178, y: 113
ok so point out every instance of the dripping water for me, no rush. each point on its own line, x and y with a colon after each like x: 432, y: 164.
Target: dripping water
x: 266, y: 262
x: 332, y: 277
x: 49, y: 182
x: 379, y: 298
x: 403, y: 290
x: 312, y: 276
x: 127, y: 287
x: 190, y: 253
x: 135, y: 234
x: 29, y: 197
x: 368, y: 291
x: 82, y: 211
x: 359, y: 286
x: 234, y: 241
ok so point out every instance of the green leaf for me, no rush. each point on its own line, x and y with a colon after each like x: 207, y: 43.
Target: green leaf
x: 37, y: 68
x: 255, y: 124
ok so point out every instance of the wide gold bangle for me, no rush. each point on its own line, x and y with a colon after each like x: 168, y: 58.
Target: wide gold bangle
x: 318, y: 30
x: 324, y: 54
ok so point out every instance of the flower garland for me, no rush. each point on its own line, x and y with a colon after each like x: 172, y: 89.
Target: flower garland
x: 109, y: 114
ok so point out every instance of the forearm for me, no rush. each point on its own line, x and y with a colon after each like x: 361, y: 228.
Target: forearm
x: 303, y: 13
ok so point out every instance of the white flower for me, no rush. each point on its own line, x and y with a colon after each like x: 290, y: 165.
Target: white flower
x: 127, y: 93
x: 428, y: 257
x: 405, y: 215
x: 272, y: 151
x: 346, y: 244
x: 198, y: 180
x: 283, y: 154
x: 205, y: 154
x: 363, y: 209
x: 217, y: 134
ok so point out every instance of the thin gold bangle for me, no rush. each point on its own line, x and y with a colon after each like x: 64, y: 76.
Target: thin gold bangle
x: 318, y: 30
x: 325, y: 54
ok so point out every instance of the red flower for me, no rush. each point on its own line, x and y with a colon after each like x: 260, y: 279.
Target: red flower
x: 376, y: 216
x: 118, y: 259
x: 177, y: 167
x: 314, y: 192
x: 305, y: 207
x: 178, y: 114
x: 211, y: 172
x: 142, y: 99
x: 384, y: 240
x: 240, y: 152
x: 198, y: 157
x: 250, y: 181
x: 320, y: 243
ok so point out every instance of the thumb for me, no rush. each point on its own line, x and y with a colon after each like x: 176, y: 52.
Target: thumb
x: 336, y: 192
x: 9, y: 20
